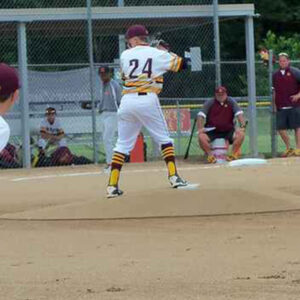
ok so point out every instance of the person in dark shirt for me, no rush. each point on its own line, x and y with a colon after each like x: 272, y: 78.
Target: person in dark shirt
x: 216, y: 120
x: 286, y: 99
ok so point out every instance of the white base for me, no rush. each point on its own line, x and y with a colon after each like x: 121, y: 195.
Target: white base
x: 190, y: 186
x: 247, y: 162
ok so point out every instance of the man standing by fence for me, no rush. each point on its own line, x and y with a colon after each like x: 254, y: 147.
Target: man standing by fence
x: 109, y: 103
x: 286, y: 84
x: 111, y: 93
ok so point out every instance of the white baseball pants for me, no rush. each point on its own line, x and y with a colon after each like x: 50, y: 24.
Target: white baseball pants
x: 109, y: 128
x: 43, y: 143
x: 135, y: 112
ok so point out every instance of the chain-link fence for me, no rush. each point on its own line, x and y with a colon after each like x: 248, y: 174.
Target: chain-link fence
x: 49, y: 43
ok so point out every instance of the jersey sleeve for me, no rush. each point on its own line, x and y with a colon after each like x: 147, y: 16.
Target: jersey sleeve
x: 204, y: 112
x: 59, y: 126
x: 296, y: 73
x: 236, y: 108
x: 168, y: 61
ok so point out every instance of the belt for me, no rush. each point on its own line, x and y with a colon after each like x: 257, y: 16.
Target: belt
x: 102, y: 111
x: 286, y: 107
x: 142, y: 94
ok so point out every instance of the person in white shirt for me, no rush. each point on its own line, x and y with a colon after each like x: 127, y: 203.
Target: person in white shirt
x: 51, y: 131
x: 142, y: 70
x: 9, y: 93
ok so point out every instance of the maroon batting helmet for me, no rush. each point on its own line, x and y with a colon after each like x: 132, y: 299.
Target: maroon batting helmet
x: 9, y: 80
x: 136, y: 30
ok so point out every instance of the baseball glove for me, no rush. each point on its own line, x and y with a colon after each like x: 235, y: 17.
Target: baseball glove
x: 160, y: 44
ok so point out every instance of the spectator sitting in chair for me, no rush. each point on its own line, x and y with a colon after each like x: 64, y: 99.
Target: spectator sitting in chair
x: 216, y: 120
x: 51, y: 131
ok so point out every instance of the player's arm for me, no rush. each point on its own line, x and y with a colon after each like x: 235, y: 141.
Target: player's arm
x: 274, y: 109
x: 45, y: 134
x: 176, y: 63
x: 296, y: 73
x: 168, y: 61
x: 202, y: 115
x: 239, y: 114
x: 201, y: 123
x: 60, y: 134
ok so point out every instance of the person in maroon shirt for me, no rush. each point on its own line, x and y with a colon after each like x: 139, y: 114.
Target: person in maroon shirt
x: 286, y: 99
x: 216, y: 120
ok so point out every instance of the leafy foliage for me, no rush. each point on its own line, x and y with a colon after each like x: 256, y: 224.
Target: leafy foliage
x: 288, y: 44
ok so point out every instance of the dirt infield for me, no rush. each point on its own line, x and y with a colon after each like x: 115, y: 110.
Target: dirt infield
x: 236, y: 237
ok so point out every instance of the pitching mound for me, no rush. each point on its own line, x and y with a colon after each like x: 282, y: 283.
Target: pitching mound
x: 79, y: 193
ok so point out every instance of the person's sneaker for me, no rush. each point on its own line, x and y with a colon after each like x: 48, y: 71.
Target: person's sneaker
x: 113, y: 191
x: 296, y: 152
x: 176, y: 181
x: 232, y: 157
x: 288, y: 153
x: 211, y: 159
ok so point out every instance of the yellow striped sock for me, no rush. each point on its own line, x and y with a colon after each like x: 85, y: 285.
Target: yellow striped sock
x: 114, y: 177
x: 171, y: 168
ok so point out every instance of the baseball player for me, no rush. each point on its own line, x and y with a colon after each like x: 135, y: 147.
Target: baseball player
x: 9, y: 92
x: 142, y: 70
x: 51, y: 131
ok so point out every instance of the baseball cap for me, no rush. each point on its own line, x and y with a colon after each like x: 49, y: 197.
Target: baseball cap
x: 9, y: 80
x: 221, y: 90
x: 283, y: 54
x: 104, y: 70
x: 136, y: 30
x: 50, y: 110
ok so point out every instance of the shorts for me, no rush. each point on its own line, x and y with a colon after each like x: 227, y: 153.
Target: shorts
x: 227, y: 135
x: 288, y: 118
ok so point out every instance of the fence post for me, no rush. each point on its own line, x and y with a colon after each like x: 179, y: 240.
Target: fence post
x: 251, y: 84
x: 178, y: 147
x: 217, y: 43
x: 122, y: 44
x: 23, y: 70
x: 92, y: 79
x: 273, y: 112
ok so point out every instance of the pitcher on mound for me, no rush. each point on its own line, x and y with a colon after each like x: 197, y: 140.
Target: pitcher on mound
x: 142, y: 68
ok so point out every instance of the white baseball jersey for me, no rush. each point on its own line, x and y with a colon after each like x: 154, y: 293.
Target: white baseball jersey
x: 54, y: 128
x: 4, y: 133
x: 143, y: 66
